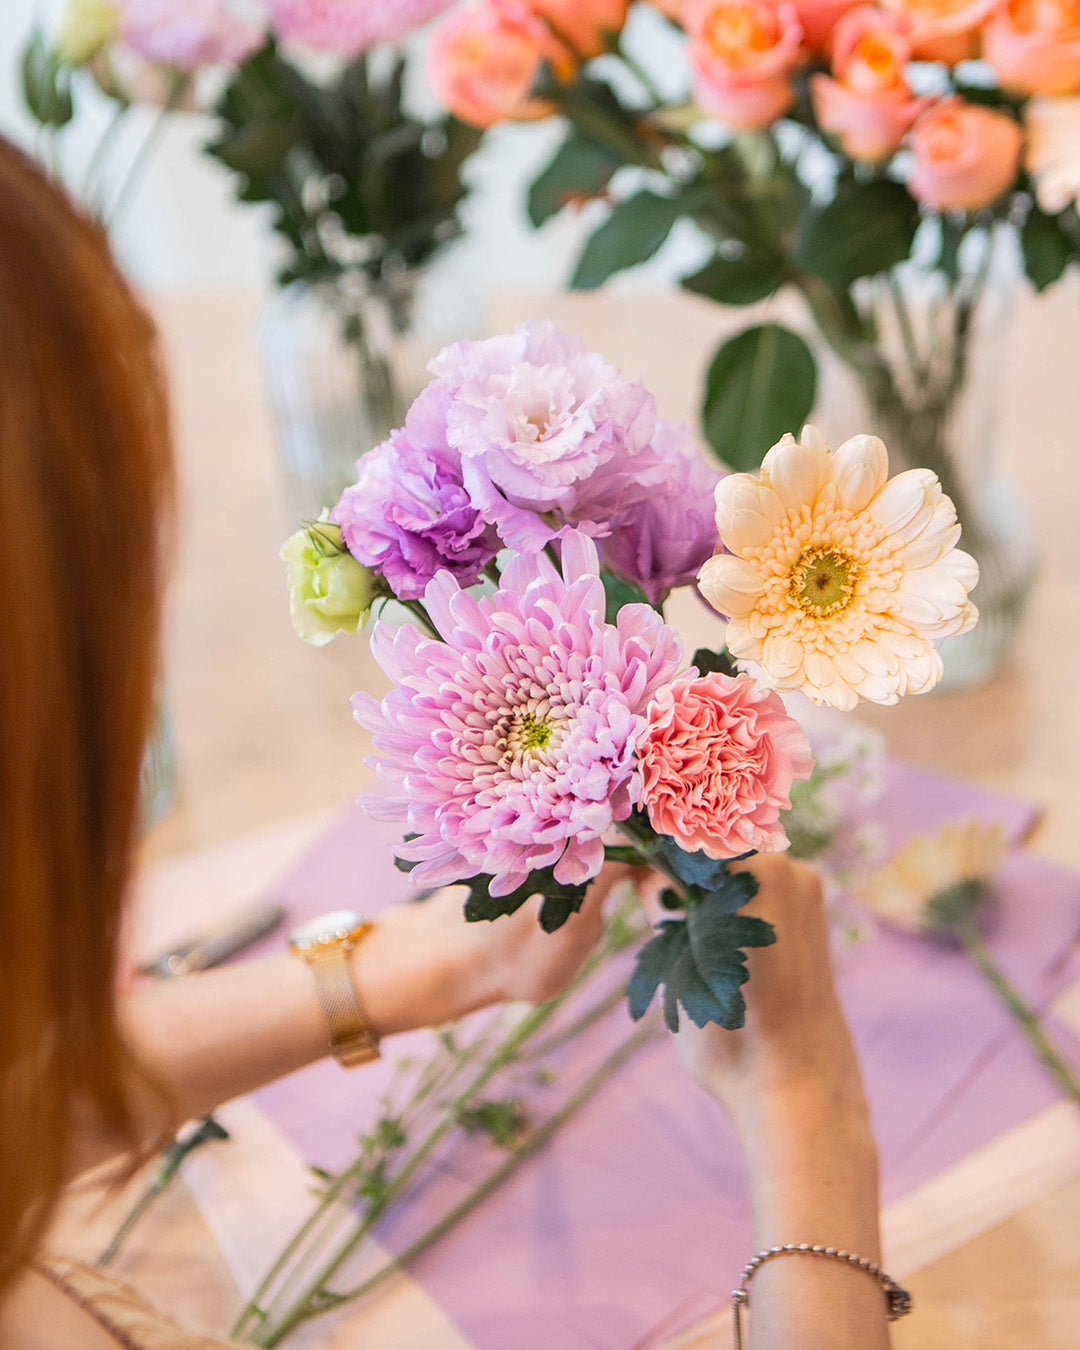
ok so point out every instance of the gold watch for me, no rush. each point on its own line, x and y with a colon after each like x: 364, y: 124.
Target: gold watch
x: 324, y: 944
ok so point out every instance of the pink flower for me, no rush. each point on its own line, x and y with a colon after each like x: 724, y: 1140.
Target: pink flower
x: 190, y: 33
x: 966, y: 156
x: 742, y: 53
x: 818, y: 20
x: 583, y: 24
x: 485, y: 59
x: 350, y: 26
x: 718, y: 761
x: 510, y: 745
x: 1034, y: 45
x: 943, y: 30
x: 549, y: 434
x: 869, y: 105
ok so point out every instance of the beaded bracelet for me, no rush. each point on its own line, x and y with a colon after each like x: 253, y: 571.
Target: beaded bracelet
x: 897, y: 1300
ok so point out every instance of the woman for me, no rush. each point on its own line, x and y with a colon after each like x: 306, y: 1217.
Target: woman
x: 87, y: 1072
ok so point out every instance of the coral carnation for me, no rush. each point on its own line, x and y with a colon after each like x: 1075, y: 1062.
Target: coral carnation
x: 718, y: 761
x: 509, y: 746
x: 838, y: 582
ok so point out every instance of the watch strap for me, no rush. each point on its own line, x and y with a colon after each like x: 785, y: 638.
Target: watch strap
x: 352, y: 1040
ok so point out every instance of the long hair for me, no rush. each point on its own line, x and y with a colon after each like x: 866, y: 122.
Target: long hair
x: 85, y: 493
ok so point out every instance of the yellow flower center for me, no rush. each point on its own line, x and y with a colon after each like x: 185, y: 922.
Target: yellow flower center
x: 823, y: 582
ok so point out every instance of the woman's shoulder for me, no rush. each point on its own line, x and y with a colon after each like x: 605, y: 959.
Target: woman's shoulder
x: 61, y: 1303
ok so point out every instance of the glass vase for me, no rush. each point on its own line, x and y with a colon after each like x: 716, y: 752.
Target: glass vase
x: 928, y: 378
x: 341, y: 369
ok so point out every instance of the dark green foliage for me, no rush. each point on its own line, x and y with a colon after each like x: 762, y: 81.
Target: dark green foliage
x: 619, y: 592
x: 761, y: 383
x: 708, y: 661
x: 559, y: 901
x: 46, y: 84
x: 632, y: 234
x: 342, y: 158
x: 1047, y: 248
x: 867, y: 228
x: 742, y: 280
x: 580, y: 168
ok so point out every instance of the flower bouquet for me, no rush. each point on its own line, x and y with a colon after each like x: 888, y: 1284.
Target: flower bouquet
x: 887, y: 164
x: 533, y: 515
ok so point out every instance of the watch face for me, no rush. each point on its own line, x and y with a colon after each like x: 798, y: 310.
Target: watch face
x: 326, y: 927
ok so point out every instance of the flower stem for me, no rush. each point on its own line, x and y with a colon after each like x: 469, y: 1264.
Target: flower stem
x: 1043, y: 1046
x: 536, y: 1141
x: 179, y: 85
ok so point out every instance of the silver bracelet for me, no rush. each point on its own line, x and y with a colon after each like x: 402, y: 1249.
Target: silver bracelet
x: 897, y: 1300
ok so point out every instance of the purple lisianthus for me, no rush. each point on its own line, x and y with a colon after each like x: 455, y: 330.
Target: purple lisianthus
x: 191, y: 33
x: 510, y: 745
x: 662, y: 540
x: 549, y: 434
x: 409, y: 515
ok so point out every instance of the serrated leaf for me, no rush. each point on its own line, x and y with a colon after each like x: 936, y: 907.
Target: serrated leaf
x: 761, y: 384
x: 716, y: 939
x: 653, y: 962
x: 738, y: 281
x: 580, y: 168
x: 618, y: 592
x: 632, y: 234
x: 1047, y: 249
x: 560, y: 901
x: 867, y: 228
x: 707, y: 661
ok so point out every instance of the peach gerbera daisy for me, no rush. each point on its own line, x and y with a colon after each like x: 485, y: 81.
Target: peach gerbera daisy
x: 838, y: 582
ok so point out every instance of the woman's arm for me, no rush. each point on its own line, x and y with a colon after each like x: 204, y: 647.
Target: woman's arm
x: 210, y: 1037
x: 789, y: 1082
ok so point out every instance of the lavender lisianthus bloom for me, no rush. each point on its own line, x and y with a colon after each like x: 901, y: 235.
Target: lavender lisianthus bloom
x: 408, y: 515
x: 510, y: 745
x: 549, y: 434
x: 661, y: 541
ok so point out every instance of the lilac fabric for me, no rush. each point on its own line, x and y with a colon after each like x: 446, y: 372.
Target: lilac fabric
x: 633, y: 1222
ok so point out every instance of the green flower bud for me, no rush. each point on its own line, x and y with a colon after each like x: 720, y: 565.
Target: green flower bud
x: 329, y: 591
x: 87, y: 28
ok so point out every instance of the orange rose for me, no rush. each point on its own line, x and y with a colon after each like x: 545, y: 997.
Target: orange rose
x: 965, y: 156
x: 583, y: 24
x: 869, y: 104
x: 943, y: 30
x: 742, y: 53
x: 485, y: 60
x: 818, y: 19
x: 1034, y: 45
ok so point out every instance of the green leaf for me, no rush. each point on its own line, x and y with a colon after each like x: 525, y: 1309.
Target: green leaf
x: 716, y: 940
x: 581, y: 168
x: 619, y: 592
x: 761, y: 383
x: 948, y: 260
x: 46, y: 84
x: 866, y: 229
x: 560, y: 901
x: 655, y: 959
x: 1047, y: 249
x: 632, y: 233
x: 738, y: 281
x: 707, y: 661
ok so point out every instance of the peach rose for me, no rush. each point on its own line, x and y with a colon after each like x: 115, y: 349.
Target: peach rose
x: 818, y: 19
x: 1034, y: 45
x: 485, y: 60
x: 1052, y: 156
x: 718, y: 759
x: 583, y: 24
x: 943, y: 30
x: 869, y: 104
x: 965, y: 155
x: 742, y: 53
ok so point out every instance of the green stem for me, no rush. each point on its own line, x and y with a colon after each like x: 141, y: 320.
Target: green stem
x: 643, y: 78
x: 506, y: 1169
x: 417, y: 607
x: 97, y: 160
x: 582, y: 1023
x: 179, y: 85
x: 1045, y: 1050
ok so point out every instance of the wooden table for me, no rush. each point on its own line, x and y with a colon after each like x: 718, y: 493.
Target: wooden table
x: 264, y: 733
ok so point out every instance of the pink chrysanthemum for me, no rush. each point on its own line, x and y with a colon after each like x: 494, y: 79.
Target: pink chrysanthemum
x: 350, y: 26
x: 510, y: 745
x: 718, y: 761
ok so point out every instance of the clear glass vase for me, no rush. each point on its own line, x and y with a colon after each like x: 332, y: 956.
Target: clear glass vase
x: 928, y: 384
x: 341, y: 369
